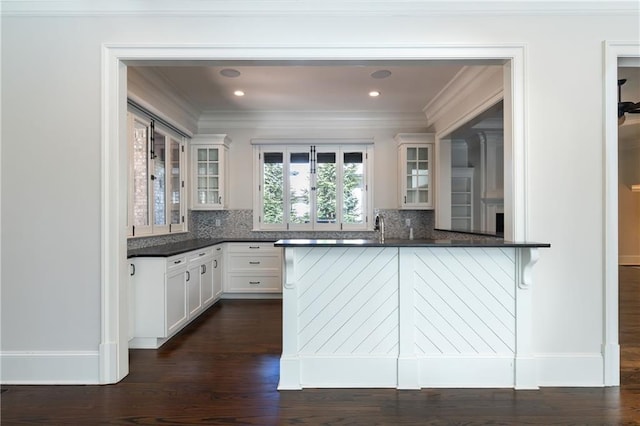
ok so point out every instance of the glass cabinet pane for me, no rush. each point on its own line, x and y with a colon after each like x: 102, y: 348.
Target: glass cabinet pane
x: 412, y: 154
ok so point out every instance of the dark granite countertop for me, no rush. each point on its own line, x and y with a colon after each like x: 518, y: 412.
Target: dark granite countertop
x: 172, y: 249
x: 479, y: 242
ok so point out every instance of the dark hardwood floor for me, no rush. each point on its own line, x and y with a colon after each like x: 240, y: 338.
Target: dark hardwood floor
x: 223, y: 370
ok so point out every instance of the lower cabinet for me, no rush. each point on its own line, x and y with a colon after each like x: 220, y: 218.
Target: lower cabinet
x: 167, y: 293
x: 253, y: 269
x: 170, y: 292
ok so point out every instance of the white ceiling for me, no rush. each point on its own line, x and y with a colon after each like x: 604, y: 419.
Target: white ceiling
x: 332, y: 86
x: 309, y: 86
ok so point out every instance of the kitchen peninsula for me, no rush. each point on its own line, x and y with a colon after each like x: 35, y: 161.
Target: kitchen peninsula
x: 407, y: 314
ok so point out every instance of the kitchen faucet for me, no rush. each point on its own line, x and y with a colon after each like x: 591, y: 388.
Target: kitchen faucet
x: 379, y: 226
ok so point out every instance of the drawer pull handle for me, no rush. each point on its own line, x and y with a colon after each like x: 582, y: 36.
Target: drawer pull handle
x: 254, y: 247
x: 188, y: 275
x: 215, y: 261
x: 133, y: 269
x: 254, y: 282
x: 254, y: 263
x: 203, y: 269
x: 177, y: 262
x: 202, y: 254
x: 219, y: 248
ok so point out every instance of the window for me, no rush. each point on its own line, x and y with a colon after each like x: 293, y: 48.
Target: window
x: 156, y: 182
x: 317, y: 187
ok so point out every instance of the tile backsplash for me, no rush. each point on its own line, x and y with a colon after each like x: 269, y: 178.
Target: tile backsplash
x: 239, y: 224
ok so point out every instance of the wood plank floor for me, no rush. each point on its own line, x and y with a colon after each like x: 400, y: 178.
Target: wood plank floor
x: 223, y: 370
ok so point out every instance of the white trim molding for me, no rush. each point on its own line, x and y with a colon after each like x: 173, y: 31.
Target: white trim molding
x: 114, y: 346
x: 313, y: 7
x: 614, y: 51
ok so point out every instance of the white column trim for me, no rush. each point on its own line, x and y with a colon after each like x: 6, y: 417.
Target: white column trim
x: 613, y: 50
x: 408, y: 364
x: 526, y: 374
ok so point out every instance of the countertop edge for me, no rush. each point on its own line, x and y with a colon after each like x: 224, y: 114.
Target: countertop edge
x: 174, y: 249
x: 409, y: 243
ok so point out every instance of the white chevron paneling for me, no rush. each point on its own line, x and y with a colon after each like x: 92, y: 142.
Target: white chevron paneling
x: 464, y: 301
x: 347, y: 300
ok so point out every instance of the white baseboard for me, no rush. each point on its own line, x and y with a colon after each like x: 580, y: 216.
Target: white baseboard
x: 49, y: 368
x: 629, y: 260
x: 251, y: 296
x: 570, y: 370
x: 348, y: 371
x: 466, y: 372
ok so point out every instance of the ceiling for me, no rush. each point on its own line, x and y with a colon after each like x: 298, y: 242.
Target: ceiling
x: 331, y: 86
x: 309, y: 86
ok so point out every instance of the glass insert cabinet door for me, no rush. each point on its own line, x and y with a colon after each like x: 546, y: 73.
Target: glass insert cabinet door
x: 416, y: 175
x: 208, y: 176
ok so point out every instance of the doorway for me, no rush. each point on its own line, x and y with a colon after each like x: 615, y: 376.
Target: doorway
x: 629, y: 226
x: 116, y: 58
x: 614, y: 54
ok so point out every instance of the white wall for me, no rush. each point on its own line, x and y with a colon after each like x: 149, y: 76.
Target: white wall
x: 51, y: 100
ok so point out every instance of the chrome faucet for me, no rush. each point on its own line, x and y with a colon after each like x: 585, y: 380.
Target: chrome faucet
x: 379, y: 226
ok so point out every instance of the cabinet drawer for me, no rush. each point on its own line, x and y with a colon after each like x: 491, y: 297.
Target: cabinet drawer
x: 251, y: 263
x: 258, y: 284
x: 176, y: 262
x: 251, y: 248
x: 199, y: 254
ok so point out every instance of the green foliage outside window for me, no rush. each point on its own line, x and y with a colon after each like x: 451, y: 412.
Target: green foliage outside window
x: 273, y: 201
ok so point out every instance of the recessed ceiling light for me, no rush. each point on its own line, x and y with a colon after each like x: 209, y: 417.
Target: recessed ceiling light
x: 381, y: 74
x: 374, y: 93
x: 238, y: 93
x: 230, y: 72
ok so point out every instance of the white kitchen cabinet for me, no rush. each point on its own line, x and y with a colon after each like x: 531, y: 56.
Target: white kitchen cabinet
x: 170, y: 292
x: 217, y: 272
x: 415, y: 170
x: 253, y: 269
x: 194, y: 288
x: 209, y: 171
x: 159, y: 298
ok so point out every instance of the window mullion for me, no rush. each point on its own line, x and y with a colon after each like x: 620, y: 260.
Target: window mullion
x: 339, y: 187
x: 313, y: 194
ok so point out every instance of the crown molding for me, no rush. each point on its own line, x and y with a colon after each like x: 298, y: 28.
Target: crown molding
x: 310, y: 120
x: 313, y: 7
x: 152, y: 88
x: 468, y: 80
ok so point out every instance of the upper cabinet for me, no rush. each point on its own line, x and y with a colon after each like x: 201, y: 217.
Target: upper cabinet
x: 209, y: 171
x: 415, y: 170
